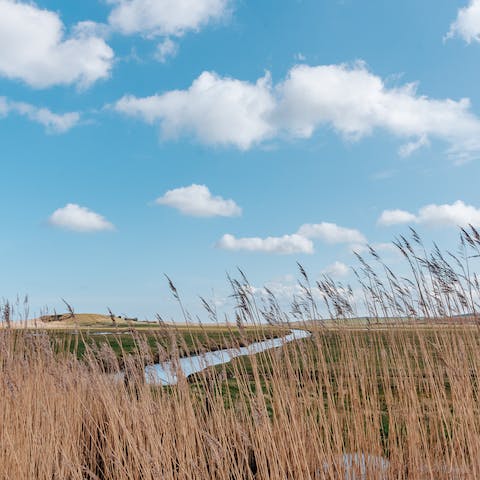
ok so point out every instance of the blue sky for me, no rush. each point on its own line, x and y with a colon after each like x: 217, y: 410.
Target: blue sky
x: 190, y: 137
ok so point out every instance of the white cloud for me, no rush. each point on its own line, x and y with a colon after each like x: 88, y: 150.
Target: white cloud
x: 467, y: 23
x: 216, y: 110
x: 395, y: 217
x: 79, y: 219
x: 300, y: 242
x: 331, y: 233
x: 53, y: 122
x: 288, y: 244
x: 165, y: 50
x: 337, y: 269
x: 355, y: 102
x: 165, y: 17
x: 350, y: 99
x: 455, y: 214
x: 197, y: 201
x: 35, y: 49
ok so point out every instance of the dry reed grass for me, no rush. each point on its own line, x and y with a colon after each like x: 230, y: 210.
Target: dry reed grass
x: 349, y: 402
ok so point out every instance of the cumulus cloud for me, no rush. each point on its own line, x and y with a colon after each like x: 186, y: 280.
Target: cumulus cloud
x: 395, y: 217
x: 197, y: 201
x: 455, y: 214
x: 336, y: 269
x: 300, y: 242
x: 446, y: 215
x: 331, y: 233
x: 35, y: 49
x: 216, y: 110
x: 79, y: 219
x: 346, y: 98
x: 53, y: 122
x: 467, y: 23
x: 355, y: 102
x: 165, y: 17
x: 288, y: 244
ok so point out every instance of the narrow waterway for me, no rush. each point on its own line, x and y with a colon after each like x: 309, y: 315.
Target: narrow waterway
x: 166, y: 373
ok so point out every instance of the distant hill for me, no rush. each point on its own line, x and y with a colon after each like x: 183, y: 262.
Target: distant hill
x: 66, y: 320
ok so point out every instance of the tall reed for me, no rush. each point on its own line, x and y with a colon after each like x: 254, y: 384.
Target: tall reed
x: 393, y: 395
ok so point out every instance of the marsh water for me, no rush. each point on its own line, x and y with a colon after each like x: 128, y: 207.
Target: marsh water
x: 167, y: 373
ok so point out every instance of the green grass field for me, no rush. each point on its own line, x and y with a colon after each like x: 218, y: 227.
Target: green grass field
x: 158, y: 341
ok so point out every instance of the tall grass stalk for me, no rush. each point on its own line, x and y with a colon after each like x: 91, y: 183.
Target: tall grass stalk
x: 394, y: 396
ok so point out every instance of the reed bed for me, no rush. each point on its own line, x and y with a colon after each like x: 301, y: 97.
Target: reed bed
x: 391, y: 395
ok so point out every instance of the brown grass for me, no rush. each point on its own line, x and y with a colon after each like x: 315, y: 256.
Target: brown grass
x: 376, y: 400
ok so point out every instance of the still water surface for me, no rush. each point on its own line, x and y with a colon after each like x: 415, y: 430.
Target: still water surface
x: 167, y: 374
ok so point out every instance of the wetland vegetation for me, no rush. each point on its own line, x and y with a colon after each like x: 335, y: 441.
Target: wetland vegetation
x: 394, y: 394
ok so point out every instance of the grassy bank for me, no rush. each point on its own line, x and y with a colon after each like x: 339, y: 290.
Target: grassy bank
x: 159, y: 343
